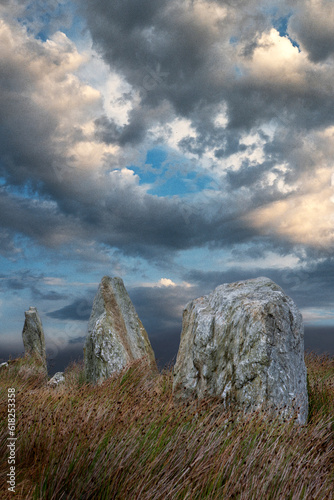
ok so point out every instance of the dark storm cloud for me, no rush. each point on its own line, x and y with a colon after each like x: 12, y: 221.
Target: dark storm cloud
x: 319, y: 339
x: 166, y: 36
x: 183, y: 64
x: 247, y: 174
x: 160, y: 308
x: 134, y: 35
x: 164, y: 224
x: 20, y: 280
x: 309, y: 286
x: 77, y: 340
x: 64, y: 356
x: 40, y: 220
x: 79, y: 310
x: 51, y: 296
x: 149, y: 226
x: 7, y: 246
x: 199, y: 62
x: 106, y: 210
x: 34, y: 283
x: 133, y: 133
x: 315, y: 29
x: 318, y: 278
x: 206, y: 65
x: 27, y: 149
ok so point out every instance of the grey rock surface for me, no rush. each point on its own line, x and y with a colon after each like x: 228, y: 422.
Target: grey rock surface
x: 57, y: 379
x: 244, y: 343
x: 33, y: 335
x: 116, y: 336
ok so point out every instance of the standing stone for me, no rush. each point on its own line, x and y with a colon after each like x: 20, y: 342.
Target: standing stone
x: 33, y: 335
x: 116, y: 335
x: 244, y: 343
x: 57, y: 380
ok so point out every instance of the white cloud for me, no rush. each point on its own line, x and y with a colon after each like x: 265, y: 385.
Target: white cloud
x: 317, y: 315
x: 305, y: 217
x: 53, y: 281
x: 179, y: 129
x: 166, y: 282
x: 270, y: 260
x: 48, y: 75
x: 221, y: 118
x: 275, y: 59
x: 117, y: 94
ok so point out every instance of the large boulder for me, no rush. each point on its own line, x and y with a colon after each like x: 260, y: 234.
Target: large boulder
x: 244, y: 343
x: 33, y: 336
x: 116, y: 336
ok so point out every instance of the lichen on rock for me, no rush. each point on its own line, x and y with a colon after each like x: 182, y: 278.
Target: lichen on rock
x: 33, y: 336
x: 244, y: 343
x: 57, y: 379
x: 116, y: 336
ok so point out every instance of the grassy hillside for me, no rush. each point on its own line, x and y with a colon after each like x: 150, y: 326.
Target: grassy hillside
x: 126, y: 439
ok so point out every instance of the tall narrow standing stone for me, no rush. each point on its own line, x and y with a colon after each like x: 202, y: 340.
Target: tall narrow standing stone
x: 33, y: 335
x: 244, y: 343
x: 116, y: 335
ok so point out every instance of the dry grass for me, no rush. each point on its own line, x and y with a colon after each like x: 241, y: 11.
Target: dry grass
x: 126, y: 439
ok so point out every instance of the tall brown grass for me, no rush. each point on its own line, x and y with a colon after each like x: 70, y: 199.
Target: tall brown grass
x: 127, y: 439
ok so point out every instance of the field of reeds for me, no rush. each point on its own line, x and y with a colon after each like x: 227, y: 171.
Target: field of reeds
x: 127, y: 439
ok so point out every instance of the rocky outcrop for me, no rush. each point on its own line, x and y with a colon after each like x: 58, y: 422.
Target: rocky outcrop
x: 116, y: 336
x: 33, y: 335
x: 244, y: 343
x: 3, y: 365
x: 56, y: 380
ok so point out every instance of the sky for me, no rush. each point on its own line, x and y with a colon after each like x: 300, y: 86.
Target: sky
x: 176, y: 144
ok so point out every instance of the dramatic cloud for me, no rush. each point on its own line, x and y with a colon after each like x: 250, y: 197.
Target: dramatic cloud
x: 249, y: 95
x: 160, y: 308
x: 224, y: 78
x: 177, y: 144
x: 310, y: 285
x: 79, y: 310
x: 315, y: 30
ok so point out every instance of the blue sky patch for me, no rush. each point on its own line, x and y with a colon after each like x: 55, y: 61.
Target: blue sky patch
x: 167, y: 177
x: 281, y: 25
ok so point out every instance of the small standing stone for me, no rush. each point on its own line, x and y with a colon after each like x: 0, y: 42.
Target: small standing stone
x: 57, y: 379
x: 116, y: 336
x: 244, y: 343
x: 33, y: 335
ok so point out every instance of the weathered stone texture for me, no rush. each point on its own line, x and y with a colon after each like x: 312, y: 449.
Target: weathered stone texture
x: 116, y: 335
x: 33, y: 335
x: 57, y: 380
x: 244, y: 343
